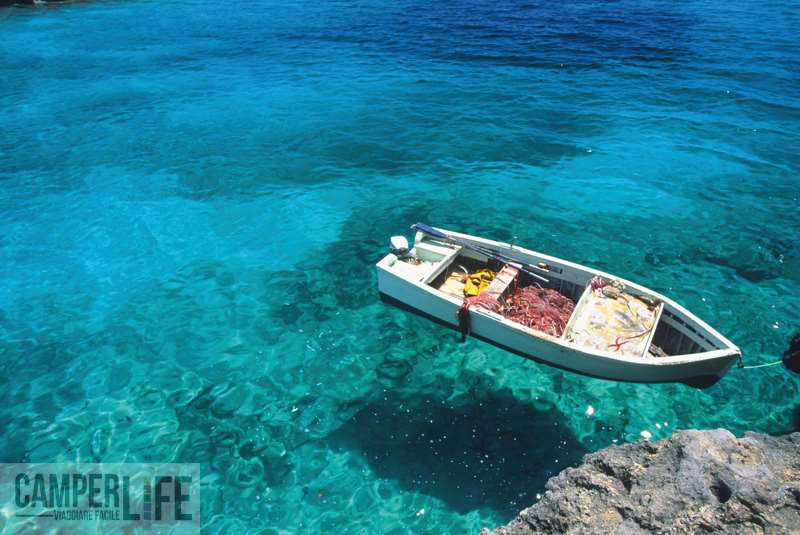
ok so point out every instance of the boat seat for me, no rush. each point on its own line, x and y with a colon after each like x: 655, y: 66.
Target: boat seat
x: 623, y: 324
x: 502, y: 281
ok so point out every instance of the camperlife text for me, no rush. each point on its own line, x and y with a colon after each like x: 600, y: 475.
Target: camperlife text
x: 101, y: 498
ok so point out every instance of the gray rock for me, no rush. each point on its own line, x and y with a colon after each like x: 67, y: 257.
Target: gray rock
x: 692, y: 482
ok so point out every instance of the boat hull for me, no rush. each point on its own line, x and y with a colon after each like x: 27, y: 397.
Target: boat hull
x: 487, y: 327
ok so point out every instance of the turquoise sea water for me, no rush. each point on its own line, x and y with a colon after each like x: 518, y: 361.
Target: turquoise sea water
x: 194, y: 195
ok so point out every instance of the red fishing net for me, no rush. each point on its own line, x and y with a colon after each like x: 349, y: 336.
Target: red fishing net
x: 542, y: 309
x: 484, y: 300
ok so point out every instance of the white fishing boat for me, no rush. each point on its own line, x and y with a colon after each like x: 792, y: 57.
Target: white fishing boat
x: 615, y: 330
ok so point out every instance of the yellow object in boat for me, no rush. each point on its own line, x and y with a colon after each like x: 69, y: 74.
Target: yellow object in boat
x: 477, y: 282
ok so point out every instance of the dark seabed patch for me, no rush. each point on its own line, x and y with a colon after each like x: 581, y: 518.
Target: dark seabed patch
x: 471, y: 451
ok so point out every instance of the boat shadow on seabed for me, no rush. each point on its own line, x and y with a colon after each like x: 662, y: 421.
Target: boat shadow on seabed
x: 478, y: 449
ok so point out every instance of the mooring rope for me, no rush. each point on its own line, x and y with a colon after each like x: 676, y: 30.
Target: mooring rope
x: 743, y: 367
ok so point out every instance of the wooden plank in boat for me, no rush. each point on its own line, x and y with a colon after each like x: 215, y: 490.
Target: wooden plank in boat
x: 502, y: 280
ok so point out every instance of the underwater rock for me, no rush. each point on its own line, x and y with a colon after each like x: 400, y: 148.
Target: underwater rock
x: 791, y: 357
x: 228, y: 399
x: 693, y: 481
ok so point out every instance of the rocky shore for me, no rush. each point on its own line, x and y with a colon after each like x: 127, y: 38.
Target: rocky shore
x: 691, y: 482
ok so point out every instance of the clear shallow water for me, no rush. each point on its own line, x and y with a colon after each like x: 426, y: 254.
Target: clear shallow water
x: 194, y: 195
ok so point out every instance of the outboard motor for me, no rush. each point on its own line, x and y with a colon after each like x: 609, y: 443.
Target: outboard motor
x: 398, y: 245
x: 791, y: 357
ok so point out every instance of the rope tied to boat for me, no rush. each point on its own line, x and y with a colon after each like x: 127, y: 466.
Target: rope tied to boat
x: 743, y: 367
x: 483, y: 300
